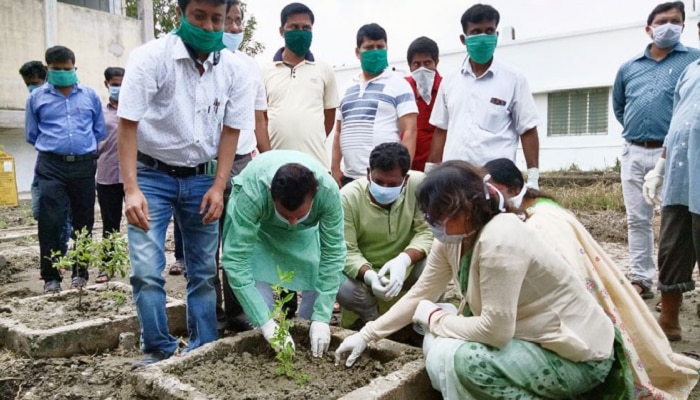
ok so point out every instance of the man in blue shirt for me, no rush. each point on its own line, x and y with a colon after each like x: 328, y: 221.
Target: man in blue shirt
x: 64, y: 122
x: 643, y: 101
x: 679, y: 242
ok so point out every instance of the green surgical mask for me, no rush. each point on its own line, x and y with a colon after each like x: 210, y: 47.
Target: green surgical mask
x: 481, y: 47
x: 201, y: 40
x: 298, y: 41
x: 374, y: 61
x: 61, y: 78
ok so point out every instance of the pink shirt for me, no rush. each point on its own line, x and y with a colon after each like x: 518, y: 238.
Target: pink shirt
x: 108, y: 161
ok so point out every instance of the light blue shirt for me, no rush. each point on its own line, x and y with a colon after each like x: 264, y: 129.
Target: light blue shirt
x: 71, y: 125
x: 643, y: 92
x: 682, y: 178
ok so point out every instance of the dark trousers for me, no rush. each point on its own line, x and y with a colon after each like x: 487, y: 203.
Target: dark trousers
x: 111, y: 200
x: 177, y: 238
x: 63, y: 186
x: 679, y: 248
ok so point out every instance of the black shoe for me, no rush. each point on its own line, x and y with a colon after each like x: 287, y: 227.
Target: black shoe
x: 52, y: 287
x: 150, y: 358
x: 240, y: 323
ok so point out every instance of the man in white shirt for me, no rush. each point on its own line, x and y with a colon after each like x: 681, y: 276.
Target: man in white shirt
x: 377, y: 108
x: 482, y: 110
x: 179, y: 92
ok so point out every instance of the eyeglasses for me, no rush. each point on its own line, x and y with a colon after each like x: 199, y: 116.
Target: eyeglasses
x: 433, y: 222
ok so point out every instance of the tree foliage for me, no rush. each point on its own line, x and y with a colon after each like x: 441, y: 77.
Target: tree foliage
x: 165, y: 19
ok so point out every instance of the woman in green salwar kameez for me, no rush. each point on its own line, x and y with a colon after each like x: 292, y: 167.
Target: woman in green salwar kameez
x: 526, y: 327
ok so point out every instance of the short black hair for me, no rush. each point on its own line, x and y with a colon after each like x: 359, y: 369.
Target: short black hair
x: 33, y: 69
x: 663, y: 7
x: 370, y: 31
x: 295, y: 8
x: 59, y: 54
x: 479, y: 13
x: 292, y: 184
x: 111, y: 72
x: 183, y: 4
x: 505, y: 172
x: 388, y: 156
x: 423, y: 45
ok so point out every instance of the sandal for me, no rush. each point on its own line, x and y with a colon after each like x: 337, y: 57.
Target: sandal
x: 102, y: 277
x: 78, y: 282
x: 643, y: 291
x: 177, y: 267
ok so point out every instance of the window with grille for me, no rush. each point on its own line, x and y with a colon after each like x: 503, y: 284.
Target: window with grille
x: 578, y: 112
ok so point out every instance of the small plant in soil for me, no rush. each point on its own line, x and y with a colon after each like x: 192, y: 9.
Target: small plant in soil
x: 285, y: 355
x: 110, y: 253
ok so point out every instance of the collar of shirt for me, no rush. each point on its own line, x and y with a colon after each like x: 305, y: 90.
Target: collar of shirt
x: 679, y: 47
x: 52, y: 89
x: 467, y: 69
x: 182, y: 51
x: 386, y: 73
x: 277, y: 58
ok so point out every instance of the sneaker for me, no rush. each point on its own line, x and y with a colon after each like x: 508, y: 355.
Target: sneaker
x: 52, y: 287
x: 78, y: 282
x: 177, y: 268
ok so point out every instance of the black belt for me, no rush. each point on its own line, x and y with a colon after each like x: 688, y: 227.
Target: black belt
x: 648, y: 144
x: 171, y: 170
x: 70, y: 157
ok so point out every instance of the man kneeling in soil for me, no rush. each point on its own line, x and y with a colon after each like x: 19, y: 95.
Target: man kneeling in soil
x: 284, y: 213
x: 386, y: 236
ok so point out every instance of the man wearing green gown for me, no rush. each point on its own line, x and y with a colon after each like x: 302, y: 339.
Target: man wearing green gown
x: 285, y: 212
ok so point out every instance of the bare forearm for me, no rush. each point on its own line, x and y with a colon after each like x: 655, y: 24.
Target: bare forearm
x: 531, y: 148
x: 261, y: 135
x: 227, y: 151
x: 437, y: 145
x: 416, y: 255
x: 127, y: 145
x: 329, y: 120
x: 336, y: 154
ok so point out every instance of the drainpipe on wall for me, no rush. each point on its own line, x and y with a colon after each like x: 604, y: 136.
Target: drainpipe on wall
x: 50, y: 23
x: 146, y: 17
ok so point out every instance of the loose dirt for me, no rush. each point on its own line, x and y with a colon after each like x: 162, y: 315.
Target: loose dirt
x: 251, y: 374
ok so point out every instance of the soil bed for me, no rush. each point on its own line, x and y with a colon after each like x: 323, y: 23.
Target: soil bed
x: 49, y: 312
x: 21, y: 215
x: 251, y: 374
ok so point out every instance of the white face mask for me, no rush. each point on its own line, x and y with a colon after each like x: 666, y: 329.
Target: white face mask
x: 666, y: 35
x: 440, y: 234
x: 300, y: 220
x: 424, y: 78
x: 517, y: 201
x: 487, y: 194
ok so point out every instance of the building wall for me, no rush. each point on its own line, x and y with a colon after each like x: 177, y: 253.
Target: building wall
x: 98, y: 39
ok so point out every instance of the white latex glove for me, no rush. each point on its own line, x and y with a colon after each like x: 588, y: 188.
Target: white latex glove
x: 268, y: 330
x: 396, y: 267
x: 423, y: 312
x: 533, y: 178
x: 653, y: 182
x: 429, y: 167
x: 353, y: 344
x: 379, y: 286
x: 320, y: 334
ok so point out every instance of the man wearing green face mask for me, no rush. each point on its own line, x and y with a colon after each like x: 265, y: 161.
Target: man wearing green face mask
x: 182, y: 103
x: 302, y: 94
x: 64, y: 122
x: 377, y: 108
x: 482, y: 110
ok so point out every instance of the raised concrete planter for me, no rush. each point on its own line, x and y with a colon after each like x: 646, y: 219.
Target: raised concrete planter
x: 162, y: 380
x: 87, y: 336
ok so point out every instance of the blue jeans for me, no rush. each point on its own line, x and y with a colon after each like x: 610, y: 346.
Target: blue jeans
x: 180, y: 195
